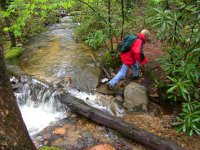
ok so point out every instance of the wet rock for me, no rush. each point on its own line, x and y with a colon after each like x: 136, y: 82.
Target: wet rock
x: 119, y: 99
x: 14, y: 70
x: 86, y: 140
x: 104, y: 90
x: 86, y: 79
x: 102, y: 147
x: 17, y: 86
x: 135, y: 98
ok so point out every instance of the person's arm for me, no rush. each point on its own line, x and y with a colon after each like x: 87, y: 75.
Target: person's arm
x: 139, y: 53
x: 143, y: 59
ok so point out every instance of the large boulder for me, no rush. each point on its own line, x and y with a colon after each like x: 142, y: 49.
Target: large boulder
x: 86, y: 78
x: 135, y: 98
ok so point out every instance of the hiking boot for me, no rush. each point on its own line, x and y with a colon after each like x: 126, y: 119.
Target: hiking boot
x: 135, y: 77
x: 107, y: 89
x: 132, y: 78
x: 109, y: 86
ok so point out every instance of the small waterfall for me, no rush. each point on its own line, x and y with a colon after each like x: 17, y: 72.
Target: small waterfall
x: 38, y: 102
x: 98, y: 102
x: 40, y: 106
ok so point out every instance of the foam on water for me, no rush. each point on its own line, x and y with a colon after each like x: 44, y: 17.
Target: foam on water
x: 94, y: 101
x: 36, y: 119
x: 86, y: 97
x: 38, y: 104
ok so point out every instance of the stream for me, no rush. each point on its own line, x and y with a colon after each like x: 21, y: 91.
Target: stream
x: 54, y: 61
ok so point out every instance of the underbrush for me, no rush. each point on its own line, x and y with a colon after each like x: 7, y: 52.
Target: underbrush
x: 181, y: 61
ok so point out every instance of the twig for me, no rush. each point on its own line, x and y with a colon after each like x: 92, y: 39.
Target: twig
x: 102, y: 67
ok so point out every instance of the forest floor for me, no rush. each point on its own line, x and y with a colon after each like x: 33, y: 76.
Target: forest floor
x: 80, y: 133
x: 160, y: 114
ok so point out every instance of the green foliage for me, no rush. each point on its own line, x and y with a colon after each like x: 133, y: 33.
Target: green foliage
x: 36, y: 25
x: 49, y: 148
x: 110, y: 59
x: 156, y: 1
x: 178, y: 89
x: 179, y: 28
x: 163, y: 22
x: 96, y: 39
x: 91, y: 25
x: 189, y: 120
x: 27, y: 18
x: 183, y: 73
x: 13, y: 52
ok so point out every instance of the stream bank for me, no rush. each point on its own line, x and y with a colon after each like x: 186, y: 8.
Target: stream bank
x: 54, y: 57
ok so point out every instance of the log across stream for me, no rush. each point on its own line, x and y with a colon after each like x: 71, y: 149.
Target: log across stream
x: 128, y: 130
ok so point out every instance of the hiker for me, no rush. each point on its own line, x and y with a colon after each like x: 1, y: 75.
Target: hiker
x: 131, y: 59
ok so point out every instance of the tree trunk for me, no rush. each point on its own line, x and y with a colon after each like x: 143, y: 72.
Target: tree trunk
x: 110, y: 26
x: 127, y: 129
x: 7, y: 21
x: 13, y: 132
x: 122, y: 10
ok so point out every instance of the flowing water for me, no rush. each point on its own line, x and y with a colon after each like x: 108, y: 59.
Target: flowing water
x: 55, y: 54
x: 38, y: 103
x: 52, y: 57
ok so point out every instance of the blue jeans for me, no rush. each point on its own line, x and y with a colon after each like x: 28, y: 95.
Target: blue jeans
x: 122, y: 73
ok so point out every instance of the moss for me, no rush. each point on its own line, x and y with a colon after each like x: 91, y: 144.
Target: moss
x: 49, y: 148
x: 13, y: 52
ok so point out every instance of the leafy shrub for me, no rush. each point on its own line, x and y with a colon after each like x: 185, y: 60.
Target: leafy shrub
x: 178, y: 27
x: 189, y: 120
x: 29, y: 18
x: 110, y: 59
x: 13, y: 52
x: 95, y: 40
x: 183, y: 74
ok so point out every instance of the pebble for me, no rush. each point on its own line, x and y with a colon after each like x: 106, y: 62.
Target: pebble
x: 159, y: 134
x: 60, y: 131
x: 102, y: 147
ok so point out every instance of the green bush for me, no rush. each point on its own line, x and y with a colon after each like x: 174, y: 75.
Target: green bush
x: 189, y: 120
x: 13, y: 52
x: 88, y: 24
x: 183, y: 74
x: 178, y: 27
x: 96, y: 40
x: 110, y: 59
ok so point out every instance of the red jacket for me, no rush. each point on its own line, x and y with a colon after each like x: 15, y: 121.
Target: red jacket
x: 135, y: 53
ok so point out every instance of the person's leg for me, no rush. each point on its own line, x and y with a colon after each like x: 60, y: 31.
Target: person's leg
x: 135, y: 69
x: 121, y: 74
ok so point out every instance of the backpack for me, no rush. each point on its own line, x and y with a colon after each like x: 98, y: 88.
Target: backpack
x: 126, y: 43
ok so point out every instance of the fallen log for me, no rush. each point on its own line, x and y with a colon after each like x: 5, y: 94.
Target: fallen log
x: 129, y: 130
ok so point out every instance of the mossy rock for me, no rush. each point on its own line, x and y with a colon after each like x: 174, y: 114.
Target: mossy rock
x: 49, y: 148
x: 13, y: 52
